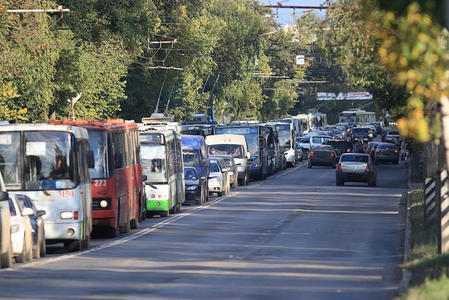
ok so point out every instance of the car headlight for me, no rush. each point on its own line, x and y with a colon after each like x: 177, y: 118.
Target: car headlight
x: 191, y: 188
x: 14, y: 228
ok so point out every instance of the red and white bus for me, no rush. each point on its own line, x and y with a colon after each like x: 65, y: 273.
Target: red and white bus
x: 118, y: 199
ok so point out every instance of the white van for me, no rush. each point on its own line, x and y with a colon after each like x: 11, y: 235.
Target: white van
x: 6, y: 254
x: 235, y: 145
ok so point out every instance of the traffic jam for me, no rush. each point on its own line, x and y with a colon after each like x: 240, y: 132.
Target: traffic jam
x: 66, y: 182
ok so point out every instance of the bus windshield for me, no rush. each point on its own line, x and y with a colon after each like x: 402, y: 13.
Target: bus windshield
x: 191, y: 157
x: 10, y: 159
x: 154, y: 163
x: 226, y: 149
x: 251, y: 135
x: 98, y: 140
x: 49, y: 160
x: 284, y: 137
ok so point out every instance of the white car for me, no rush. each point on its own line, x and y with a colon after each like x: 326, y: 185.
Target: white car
x: 21, y: 231
x: 217, y: 179
x: 5, y: 227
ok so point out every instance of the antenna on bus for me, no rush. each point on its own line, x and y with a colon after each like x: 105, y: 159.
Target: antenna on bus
x: 169, y: 97
x: 160, y: 92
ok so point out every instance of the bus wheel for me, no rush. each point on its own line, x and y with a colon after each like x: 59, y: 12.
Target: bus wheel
x: 72, y: 246
x: 165, y: 214
x: 125, y: 228
x: 178, y: 207
x: 135, y: 223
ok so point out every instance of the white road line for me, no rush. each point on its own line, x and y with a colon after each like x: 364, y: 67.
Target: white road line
x: 133, y: 236
x: 123, y: 240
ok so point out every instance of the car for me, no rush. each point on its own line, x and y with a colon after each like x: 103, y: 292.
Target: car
x: 37, y: 224
x: 393, y: 136
x: 371, y: 150
x: 323, y: 155
x: 319, y: 139
x: 6, y: 254
x: 21, y: 231
x: 387, y: 152
x: 195, y: 185
x: 231, y: 166
x: 340, y: 146
x: 226, y: 176
x: 217, y: 178
x: 299, y: 153
x: 378, y: 126
x: 361, y: 133
x: 356, y: 167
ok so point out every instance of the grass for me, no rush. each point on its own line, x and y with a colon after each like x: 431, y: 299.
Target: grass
x: 429, y: 268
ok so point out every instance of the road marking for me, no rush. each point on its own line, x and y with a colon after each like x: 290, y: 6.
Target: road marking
x: 120, y: 241
x: 136, y: 235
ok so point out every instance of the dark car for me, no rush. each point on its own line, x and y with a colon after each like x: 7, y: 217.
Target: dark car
x: 37, y: 223
x: 323, y: 155
x: 372, y: 147
x: 361, y: 133
x: 387, y: 152
x: 195, y: 186
x: 393, y: 136
x: 340, y: 146
x: 356, y: 167
x: 378, y: 126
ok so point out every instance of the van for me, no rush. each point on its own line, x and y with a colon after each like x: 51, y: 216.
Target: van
x: 235, y: 145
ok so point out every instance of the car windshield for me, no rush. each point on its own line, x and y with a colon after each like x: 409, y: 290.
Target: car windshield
x: 191, y: 157
x: 251, y: 134
x: 190, y: 174
x: 360, y: 131
x: 49, y: 160
x: 319, y: 139
x: 339, y: 145
x: 226, y: 149
x: 98, y: 141
x: 214, y: 167
x: 154, y: 163
x: 355, y: 158
x: 303, y: 140
x: 387, y: 147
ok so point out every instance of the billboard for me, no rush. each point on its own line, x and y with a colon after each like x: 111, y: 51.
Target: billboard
x: 344, y: 96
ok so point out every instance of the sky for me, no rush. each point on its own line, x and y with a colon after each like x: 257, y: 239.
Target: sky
x: 287, y: 16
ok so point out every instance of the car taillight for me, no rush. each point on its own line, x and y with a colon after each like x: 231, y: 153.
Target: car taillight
x: 332, y: 154
x: 348, y: 150
x: 311, y: 153
x: 339, y: 168
x: 395, y: 151
x: 377, y: 150
x: 367, y: 168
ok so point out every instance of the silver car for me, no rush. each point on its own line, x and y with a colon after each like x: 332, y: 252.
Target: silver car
x: 356, y: 167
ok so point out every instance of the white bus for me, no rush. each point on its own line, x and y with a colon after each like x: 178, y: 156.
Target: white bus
x: 49, y: 164
x: 356, y: 117
x: 162, y: 163
x: 287, y: 141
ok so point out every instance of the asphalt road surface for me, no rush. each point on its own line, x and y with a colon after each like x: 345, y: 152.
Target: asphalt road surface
x: 295, y: 235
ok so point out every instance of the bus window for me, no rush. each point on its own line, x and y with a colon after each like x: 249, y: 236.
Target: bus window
x: 9, y: 159
x: 153, y: 161
x: 119, y: 149
x: 98, y: 140
x: 56, y: 153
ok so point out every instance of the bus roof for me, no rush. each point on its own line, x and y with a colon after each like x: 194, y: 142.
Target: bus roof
x: 78, y: 132
x: 109, y: 125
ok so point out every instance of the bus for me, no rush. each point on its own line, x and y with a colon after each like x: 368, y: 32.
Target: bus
x: 257, y: 146
x: 356, y: 117
x: 118, y: 198
x: 287, y: 141
x: 50, y: 164
x: 163, y: 168
x: 195, y: 155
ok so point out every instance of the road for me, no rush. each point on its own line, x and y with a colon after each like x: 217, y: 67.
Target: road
x: 293, y: 236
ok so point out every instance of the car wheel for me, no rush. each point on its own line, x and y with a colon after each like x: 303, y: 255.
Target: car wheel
x: 6, y: 258
x: 339, y: 182
x: 309, y: 165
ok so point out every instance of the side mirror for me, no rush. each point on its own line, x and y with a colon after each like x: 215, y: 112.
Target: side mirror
x: 203, y: 178
x: 144, y: 178
x: 90, y: 160
x: 41, y: 213
x: 26, y: 211
x: 4, y: 196
x: 248, y: 155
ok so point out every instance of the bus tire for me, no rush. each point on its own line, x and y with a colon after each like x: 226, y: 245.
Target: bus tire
x: 125, y: 228
x: 135, y: 223
x: 72, y: 246
x: 165, y: 214
x: 178, y: 207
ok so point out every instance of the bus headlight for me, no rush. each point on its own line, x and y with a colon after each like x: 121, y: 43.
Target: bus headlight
x: 66, y: 215
x: 103, y: 203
